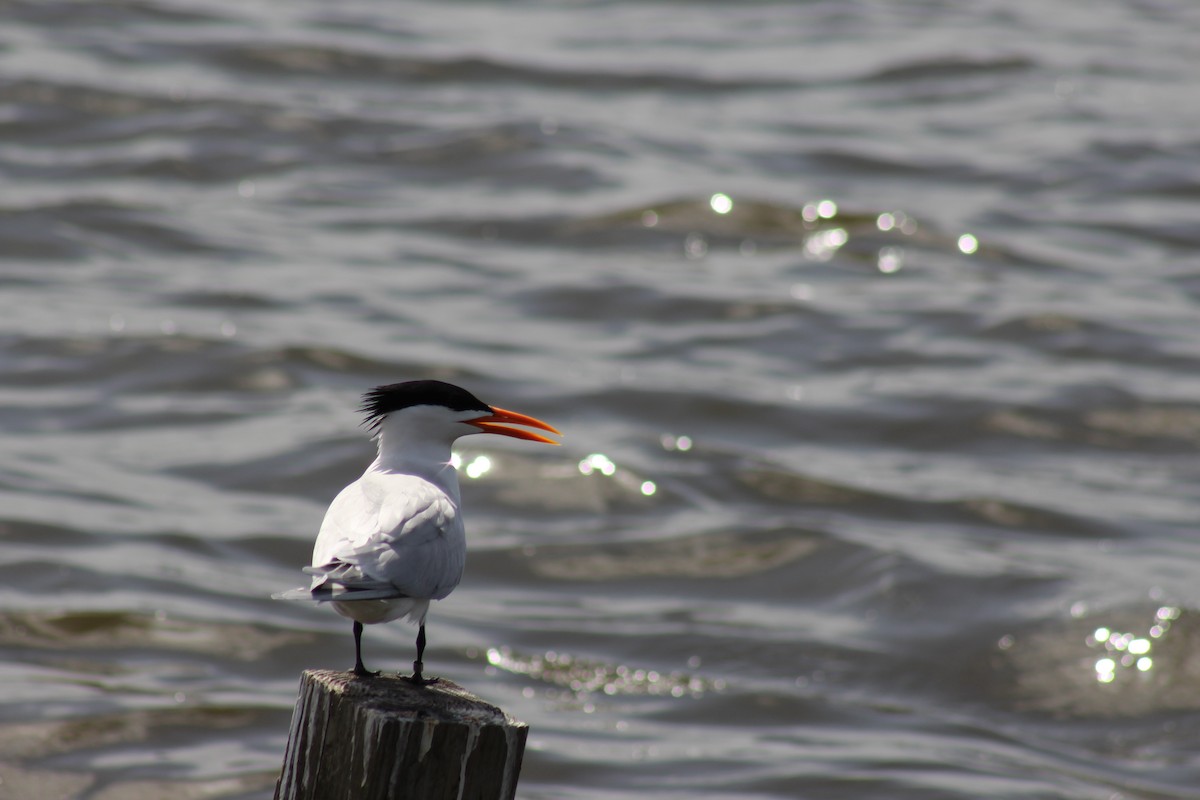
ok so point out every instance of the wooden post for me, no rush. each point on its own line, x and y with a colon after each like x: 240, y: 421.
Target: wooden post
x: 384, y: 739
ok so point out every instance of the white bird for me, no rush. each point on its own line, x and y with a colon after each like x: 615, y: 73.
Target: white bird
x: 393, y: 540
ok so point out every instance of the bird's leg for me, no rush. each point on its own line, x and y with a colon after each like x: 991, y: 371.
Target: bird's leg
x: 419, y: 665
x: 359, y: 669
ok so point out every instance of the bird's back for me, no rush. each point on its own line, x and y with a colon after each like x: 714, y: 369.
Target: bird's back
x: 393, y: 528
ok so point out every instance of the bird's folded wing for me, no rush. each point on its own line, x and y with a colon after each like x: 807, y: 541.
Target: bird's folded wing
x: 392, y: 530
x: 300, y: 593
x: 378, y: 511
x: 341, y: 581
x: 328, y: 588
x: 329, y: 593
x: 386, y: 536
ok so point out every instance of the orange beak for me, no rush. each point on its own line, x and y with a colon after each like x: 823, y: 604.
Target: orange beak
x: 492, y: 424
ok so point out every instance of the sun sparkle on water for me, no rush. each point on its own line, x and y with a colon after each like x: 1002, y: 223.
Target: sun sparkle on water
x: 721, y: 203
x: 1123, y: 650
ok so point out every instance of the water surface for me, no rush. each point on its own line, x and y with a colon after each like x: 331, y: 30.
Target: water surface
x: 872, y: 329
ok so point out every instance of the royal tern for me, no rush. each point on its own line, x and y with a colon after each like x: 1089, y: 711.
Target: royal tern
x: 393, y: 540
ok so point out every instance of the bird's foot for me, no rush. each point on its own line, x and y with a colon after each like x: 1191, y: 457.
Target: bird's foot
x: 363, y: 672
x: 417, y: 678
x: 420, y: 680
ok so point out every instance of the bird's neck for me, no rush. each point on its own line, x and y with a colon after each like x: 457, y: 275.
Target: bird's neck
x: 401, y: 452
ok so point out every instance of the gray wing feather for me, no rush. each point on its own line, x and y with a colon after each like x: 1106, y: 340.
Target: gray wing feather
x: 325, y: 594
x: 341, y: 581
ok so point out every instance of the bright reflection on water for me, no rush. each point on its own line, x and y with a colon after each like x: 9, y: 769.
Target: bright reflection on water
x: 582, y: 677
x: 896, y: 220
x: 600, y: 464
x: 825, y: 227
x: 671, y: 442
x: 721, y: 203
x: 891, y: 259
x: 822, y: 245
x: 822, y: 209
x: 597, y: 462
x: 1128, y: 651
x: 478, y: 466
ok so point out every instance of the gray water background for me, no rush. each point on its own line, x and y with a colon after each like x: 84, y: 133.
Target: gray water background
x: 879, y: 484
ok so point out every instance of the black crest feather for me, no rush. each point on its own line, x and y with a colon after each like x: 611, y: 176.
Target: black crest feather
x: 383, y: 400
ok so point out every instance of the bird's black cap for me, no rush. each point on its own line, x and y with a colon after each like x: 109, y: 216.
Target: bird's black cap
x: 383, y: 400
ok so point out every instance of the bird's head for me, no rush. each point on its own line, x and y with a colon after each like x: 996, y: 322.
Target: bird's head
x: 436, y: 410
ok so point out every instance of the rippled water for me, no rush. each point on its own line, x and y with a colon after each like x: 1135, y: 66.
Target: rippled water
x: 872, y: 328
